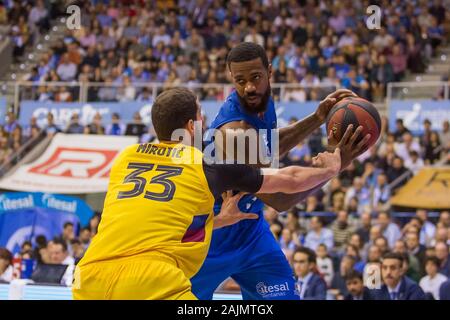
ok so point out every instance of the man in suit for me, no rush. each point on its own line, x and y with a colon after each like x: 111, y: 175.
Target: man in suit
x: 396, y: 286
x: 310, y: 286
x: 355, y: 287
x: 444, y: 290
x: 443, y: 256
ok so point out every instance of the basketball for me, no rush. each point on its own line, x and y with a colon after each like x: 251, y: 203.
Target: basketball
x: 356, y: 111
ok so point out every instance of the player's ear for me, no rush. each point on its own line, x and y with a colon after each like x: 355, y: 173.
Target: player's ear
x: 269, y: 70
x: 190, y: 127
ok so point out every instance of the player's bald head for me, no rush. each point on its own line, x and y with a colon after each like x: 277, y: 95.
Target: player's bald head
x: 247, y: 51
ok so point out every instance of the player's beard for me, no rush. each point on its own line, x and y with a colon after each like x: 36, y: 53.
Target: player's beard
x: 262, y: 107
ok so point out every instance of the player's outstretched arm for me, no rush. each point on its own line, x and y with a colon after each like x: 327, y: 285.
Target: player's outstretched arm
x: 296, y: 179
x: 350, y: 149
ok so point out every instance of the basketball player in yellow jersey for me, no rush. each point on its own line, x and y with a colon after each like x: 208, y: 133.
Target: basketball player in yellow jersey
x: 157, y: 219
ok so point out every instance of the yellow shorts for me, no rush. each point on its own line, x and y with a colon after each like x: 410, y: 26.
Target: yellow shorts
x: 149, y: 277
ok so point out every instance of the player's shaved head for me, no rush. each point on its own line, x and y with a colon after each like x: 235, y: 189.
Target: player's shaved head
x: 250, y: 72
x: 172, y: 110
x: 247, y: 51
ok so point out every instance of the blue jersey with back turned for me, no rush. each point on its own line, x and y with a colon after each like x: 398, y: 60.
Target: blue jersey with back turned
x: 245, y: 232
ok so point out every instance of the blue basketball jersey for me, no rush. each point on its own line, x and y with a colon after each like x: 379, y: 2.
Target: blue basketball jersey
x: 242, y: 233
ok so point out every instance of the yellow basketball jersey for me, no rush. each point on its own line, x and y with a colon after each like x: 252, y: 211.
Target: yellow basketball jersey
x: 158, y: 200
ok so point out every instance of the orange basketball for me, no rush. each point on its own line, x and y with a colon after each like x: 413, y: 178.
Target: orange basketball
x: 356, y: 111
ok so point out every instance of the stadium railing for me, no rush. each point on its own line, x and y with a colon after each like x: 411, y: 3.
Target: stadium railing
x: 417, y: 90
x: 88, y: 91
x: 16, y: 91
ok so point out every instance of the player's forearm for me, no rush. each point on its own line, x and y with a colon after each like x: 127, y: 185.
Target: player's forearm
x: 295, y: 179
x: 293, y: 134
x: 282, y: 201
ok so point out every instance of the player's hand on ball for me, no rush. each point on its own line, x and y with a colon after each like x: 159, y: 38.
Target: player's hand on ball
x: 328, y: 160
x: 326, y: 104
x: 348, y: 146
x: 230, y: 213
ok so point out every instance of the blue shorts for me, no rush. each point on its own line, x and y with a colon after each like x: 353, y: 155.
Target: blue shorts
x: 259, y: 267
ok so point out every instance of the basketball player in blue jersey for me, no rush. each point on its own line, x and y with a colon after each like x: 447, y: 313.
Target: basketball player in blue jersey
x: 247, y: 251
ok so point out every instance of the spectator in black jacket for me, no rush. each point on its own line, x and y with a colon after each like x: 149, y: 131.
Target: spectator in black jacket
x: 397, y: 170
x: 135, y: 128
x: 444, y: 290
x: 443, y: 256
x: 355, y: 286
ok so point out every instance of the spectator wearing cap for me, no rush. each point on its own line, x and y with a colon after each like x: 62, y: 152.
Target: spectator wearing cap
x: 310, y: 286
x: 318, y: 235
x: 395, y: 285
x: 355, y: 287
x: 6, y: 268
x: 432, y: 282
x: 115, y: 128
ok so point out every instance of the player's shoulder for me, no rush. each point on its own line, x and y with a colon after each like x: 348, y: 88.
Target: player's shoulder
x: 131, y: 149
x: 231, y: 105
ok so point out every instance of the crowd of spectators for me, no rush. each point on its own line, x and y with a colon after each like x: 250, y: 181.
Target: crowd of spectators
x: 127, y: 43
x: 311, y: 43
x: 349, y: 224
x: 65, y: 249
x: 26, y: 21
x: 335, y: 235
